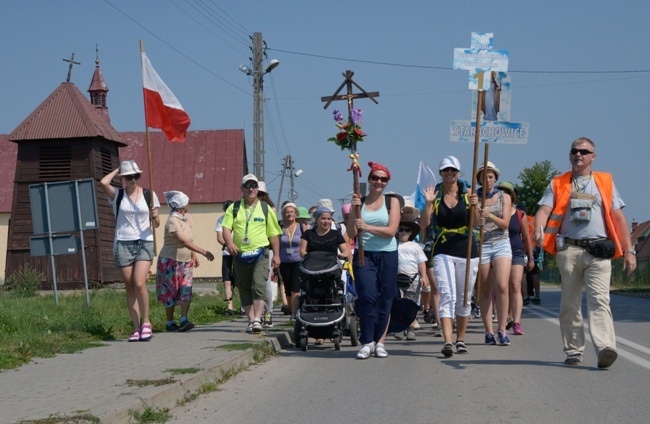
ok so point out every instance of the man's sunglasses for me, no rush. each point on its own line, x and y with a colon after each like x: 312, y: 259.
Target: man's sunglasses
x: 378, y: 178
x: 250, y: 185
x: 132, y: 177
x: 583, y: 152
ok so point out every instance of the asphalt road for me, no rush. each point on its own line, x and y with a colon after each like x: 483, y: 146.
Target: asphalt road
x: 524, y: 382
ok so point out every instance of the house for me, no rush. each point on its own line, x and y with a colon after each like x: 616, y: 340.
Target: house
x: 640, y: 239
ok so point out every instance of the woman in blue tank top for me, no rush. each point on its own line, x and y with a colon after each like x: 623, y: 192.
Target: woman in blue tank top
x: 376, y: 280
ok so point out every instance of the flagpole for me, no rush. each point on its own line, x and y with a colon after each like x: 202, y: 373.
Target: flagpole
x: 149, y: 161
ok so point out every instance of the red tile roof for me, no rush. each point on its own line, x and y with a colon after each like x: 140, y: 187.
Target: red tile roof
x: 66, y: 113
x: 208, y: 167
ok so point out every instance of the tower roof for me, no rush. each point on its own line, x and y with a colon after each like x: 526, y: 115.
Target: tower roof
x: 97, y: 83
x: 65, y: 113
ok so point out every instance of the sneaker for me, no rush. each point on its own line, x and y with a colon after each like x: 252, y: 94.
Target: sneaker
x: 428, y: 316
x: 416, y: 325
x: 447, y: 350
x: 495, y: 319
x: 503, y: 338
x: 366, y: 351
x: 286, y: 309
x: 536, y: 300
x: 461, y: 348
x: 517, y: 330
x: 230, y: 312
x: 434, y: 326
x: 249, y: 329
x: 606, y: 357
x: 380, y: 351
x: 437, y: 333
x: 573, y: 360
x: 399, y: 335
x: 267, y: 321
x: 256, y: 326
x: 509, y: 323
x: 476, y: 312
x: 186, y: 325
x: 170, y: 328
x: 526, y: 300
x: 410, y: 335
x: 489, y: 339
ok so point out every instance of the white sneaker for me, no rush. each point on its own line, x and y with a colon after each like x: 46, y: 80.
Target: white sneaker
x: 410, y: 335
x: 366, y: 351
x: 416, y: 325
x: 380, y: 352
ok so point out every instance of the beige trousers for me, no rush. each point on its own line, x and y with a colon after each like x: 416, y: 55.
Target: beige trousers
x: 578, y: 267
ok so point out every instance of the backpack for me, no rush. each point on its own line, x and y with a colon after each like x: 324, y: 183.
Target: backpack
x: 120, y: 195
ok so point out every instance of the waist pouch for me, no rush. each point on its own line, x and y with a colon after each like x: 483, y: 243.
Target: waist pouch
x: 405, y: 280
x: 248, y: 258
x: 604, y: 249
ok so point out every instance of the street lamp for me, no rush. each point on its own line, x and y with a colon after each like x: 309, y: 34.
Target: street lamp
x: 258, y: 102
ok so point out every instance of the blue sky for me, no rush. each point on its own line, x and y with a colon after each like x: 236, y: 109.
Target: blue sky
x: 403, y: 50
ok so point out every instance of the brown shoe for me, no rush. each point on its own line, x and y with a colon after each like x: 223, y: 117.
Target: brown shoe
x: 606, y: 357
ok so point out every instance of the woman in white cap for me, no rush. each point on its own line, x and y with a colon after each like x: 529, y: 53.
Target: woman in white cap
x: 135, y: 209
x: 176, y: 261
x: 496, y: 258
x: 447, y: 214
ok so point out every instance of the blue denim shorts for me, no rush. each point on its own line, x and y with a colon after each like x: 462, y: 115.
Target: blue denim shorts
x: 128, y: 252
x: 498, y: 249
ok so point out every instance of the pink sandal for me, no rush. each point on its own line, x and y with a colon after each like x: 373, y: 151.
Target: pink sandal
x: 146, y: 332
x: 135, y: 336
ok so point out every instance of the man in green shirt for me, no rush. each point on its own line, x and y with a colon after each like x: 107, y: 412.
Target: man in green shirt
x: 250, y: 228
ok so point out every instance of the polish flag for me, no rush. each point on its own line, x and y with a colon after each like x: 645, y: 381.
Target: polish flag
x: 162, y: 108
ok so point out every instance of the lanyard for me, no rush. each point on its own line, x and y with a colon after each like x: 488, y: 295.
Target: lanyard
x: 290, y: 235
x: 581, y: 185
x: 249, y: 215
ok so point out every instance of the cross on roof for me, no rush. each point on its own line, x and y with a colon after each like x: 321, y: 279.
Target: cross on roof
x: 72, y: 62
x: 480, y: 58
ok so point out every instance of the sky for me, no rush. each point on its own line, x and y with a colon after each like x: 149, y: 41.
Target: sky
x: 577, y: 68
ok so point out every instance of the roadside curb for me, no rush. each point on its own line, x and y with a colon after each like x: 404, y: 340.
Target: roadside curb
x: 167, y: 396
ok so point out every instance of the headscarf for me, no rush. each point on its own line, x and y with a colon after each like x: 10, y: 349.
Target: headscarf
x: 374, y: 166
x: 321, y: 210
x: 176, y: 199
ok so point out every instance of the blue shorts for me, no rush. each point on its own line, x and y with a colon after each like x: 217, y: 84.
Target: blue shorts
x: 498, y: 249
x: 129, y: 252
x: 518, y: 257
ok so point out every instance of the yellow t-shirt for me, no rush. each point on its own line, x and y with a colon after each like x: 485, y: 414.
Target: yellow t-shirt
x: 258, y: 231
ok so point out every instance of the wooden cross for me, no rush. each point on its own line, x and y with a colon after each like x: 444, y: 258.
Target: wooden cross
x: 350, y: 96
x: 72, y: 62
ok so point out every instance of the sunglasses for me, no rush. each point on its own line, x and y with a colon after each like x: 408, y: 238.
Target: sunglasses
x: 583, y: 152
x: 132, y: 177
x: 450, y: 169
x: 404, y: 230
x: 250, y: 185
x: 378, y: 178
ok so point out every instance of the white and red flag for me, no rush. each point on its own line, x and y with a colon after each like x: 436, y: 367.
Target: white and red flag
x: 161, y: 108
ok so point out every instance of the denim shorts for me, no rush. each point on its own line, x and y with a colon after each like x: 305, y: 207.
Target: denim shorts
x: 128, y: 252
x: 498, y: 249
x: 518, y: 258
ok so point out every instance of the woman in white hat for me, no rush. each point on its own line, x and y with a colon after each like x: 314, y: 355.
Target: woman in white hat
x: 447, y: 214
x: 135, y: 209
x: 496, y: 258
x: 176, y: 262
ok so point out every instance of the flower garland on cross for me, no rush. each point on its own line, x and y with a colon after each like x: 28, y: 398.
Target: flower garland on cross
x: 349, y: 134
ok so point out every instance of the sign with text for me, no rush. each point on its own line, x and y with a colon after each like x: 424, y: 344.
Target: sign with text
x: 480, y: 58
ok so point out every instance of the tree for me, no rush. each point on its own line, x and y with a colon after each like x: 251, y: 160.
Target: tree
x: 534, y: 181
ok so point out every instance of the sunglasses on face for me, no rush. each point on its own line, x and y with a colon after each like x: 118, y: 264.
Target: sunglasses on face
x: 583, y: 152
x: 132, y: 177
x: 378, y: 178
x: 449, y: 169
x: 404, y: 230
x: 250, y: 185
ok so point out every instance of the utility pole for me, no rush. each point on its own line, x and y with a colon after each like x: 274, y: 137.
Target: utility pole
x: 258, y: 108
x: 288, y: 164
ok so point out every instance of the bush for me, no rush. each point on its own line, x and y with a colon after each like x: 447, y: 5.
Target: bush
x: 25, y: 282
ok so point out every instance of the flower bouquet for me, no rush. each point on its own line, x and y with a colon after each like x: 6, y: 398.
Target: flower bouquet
x: 349, y: 132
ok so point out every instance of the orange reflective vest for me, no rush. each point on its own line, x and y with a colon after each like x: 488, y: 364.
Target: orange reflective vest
x: 562, y: 187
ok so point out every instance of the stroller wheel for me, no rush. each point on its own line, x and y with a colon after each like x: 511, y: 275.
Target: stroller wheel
x: 337, y: 343
x: 303, y: 343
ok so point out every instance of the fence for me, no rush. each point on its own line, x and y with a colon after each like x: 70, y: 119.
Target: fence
x: 640, y: 278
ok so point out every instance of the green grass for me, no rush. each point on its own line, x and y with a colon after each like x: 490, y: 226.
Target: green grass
x: 35, y: 327
x: 152, y: 415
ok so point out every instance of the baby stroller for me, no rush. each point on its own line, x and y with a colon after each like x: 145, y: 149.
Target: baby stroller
x: 322, y: 311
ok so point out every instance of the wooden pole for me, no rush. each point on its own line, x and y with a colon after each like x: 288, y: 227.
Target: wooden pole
x: 149, y: 160
x: 355, y: 176
x: 483, y: 194
x: 477, y: 139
